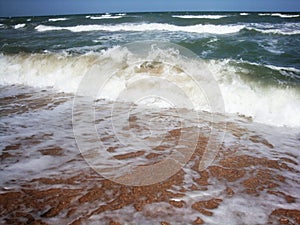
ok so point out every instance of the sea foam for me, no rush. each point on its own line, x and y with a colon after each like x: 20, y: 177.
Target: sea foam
x: 279, y: 15
x: 57, y: 19
x: 208, y: 28
x: 21, y: 25
x: 106, y: 16
x: 200, y: 16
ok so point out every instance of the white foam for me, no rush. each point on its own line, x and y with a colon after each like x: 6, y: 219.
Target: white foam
x: 284, y: 15
x: 239, y: 210
x: 277, y: 31
x: 271, y: 105
x: 279, y: 15
x: 264, y: 14
x: 213, y: 29
x: 277, y: 28
x: 282, y: 68
x: 57, y: 19
x: 244, y: 14
x: 21, y: 25
x: 278, y: 68
x: 105, y: 17
x: 200, y: 16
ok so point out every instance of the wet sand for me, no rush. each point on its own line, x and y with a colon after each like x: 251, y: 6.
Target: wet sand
x: 71, y: 192
x: 42, y: 201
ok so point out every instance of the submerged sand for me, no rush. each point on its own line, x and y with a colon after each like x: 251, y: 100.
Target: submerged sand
x: 46, y: 201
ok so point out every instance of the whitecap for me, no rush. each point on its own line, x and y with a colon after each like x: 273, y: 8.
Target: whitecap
x: 21, y: 25
x: 284, y: 15
x: 275, y: 31
x: 279, y: 15
x: 200, y: 16
x: 57, y: 19
x: 106, y: 16
x: 207, y: 28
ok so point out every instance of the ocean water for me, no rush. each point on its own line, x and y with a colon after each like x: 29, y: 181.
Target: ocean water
x: 252, y: 66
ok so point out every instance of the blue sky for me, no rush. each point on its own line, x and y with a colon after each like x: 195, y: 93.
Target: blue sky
x: 60, y: 7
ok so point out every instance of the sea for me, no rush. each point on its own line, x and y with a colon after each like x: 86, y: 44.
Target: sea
x: 136, y: 99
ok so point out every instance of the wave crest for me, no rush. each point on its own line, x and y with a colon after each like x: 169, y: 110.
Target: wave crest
x: 200, y: 16
x: 208, y: 28
x: 273, y: 104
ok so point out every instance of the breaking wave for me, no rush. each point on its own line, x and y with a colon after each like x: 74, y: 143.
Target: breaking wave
x: 208, y: 28
x: 271, y: 104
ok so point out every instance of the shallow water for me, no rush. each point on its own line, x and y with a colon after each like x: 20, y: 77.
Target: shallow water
x: 255, y: 173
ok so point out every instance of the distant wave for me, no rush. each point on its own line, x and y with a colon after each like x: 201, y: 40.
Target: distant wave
x: 200, y: 16
x: 208, y: 28
x: 275, y: 31
x: 279, y: 15
x: 275, y: 28
x: 106, y: 16
x: 21, y: 25
x: 264, y: 14
x: 284, y: 15
x: 57, y: 19
x: 244, y: 14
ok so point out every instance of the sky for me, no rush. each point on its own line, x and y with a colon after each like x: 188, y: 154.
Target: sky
x: 62, y: 7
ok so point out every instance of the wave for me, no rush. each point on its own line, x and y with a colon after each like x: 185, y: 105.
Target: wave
x: 244, y: 14
x: 264, y: 14
x: 281, y: 68
x: 275, y: 28
x: 286, y: 29
x: 281, y: 31
x: 106, y: 16
x: 57, y: 19
x: 284, y: 15
x: 213, y: 29
x: 278, y: 15
x: 21, y: 25
x: 275, y: 105
x: 285, y: 71
x: 200, y: 16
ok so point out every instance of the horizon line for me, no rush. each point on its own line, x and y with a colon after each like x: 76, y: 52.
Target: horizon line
x: 113, y: 12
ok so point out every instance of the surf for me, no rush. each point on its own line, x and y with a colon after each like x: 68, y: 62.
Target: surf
x: 134, y: 27
x: 269, y: 103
